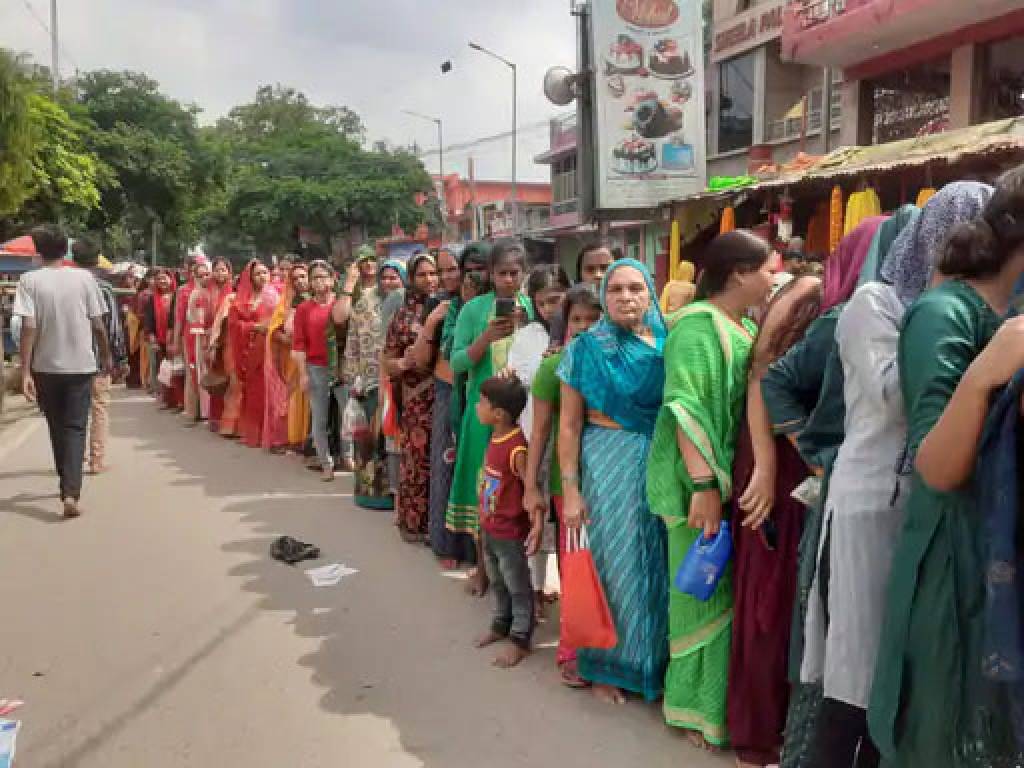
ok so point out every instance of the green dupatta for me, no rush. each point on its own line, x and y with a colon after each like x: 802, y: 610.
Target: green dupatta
x: 706, y: 360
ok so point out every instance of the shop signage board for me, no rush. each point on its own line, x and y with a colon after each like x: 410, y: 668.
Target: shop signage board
x: 649, y: 123
x: 747, y: 31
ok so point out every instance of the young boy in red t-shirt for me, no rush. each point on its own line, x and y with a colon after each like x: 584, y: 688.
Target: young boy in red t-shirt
x: 510, y: 534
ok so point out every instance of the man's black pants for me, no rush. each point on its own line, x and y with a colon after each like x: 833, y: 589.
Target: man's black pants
x: 65, y: 399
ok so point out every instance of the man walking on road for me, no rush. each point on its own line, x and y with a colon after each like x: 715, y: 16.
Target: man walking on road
x: 62, y: 315
x: 87, y: 256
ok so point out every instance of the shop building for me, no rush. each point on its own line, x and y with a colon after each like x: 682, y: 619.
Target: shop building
x: 761, y: 108
x: 912, y: 67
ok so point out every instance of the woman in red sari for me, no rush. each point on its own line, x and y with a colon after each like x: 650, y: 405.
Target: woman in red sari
x: 156, y: 319
x: 248, y: 320
x: 417, y: 400
x: 220, y: 292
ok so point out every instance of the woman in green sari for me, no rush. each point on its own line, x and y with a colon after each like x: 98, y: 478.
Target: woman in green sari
x: 480, y: 348
x: 689, y: 474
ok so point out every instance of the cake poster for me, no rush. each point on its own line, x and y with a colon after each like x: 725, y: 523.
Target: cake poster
x: 649, y: 101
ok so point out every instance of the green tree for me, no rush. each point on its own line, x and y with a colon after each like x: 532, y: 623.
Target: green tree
x: 163, y: 173
x: 17, y: 139
x: 66, y: 175
x: 295, y: 165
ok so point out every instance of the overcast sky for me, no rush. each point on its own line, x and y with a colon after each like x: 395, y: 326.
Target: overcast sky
x: 375, y: 56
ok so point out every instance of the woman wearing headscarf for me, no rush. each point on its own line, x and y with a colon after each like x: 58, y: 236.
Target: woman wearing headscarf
x: 361, y: 376
x: 157, y: 321
x: 197, y: 320
x: 689, y: 476
x: 612, y: 378
x: 416, y: 390
x: 927, y: 703
x: 248, y: 321
x: 288, y: 410
x: 480, y: 347
x: 220, y: 291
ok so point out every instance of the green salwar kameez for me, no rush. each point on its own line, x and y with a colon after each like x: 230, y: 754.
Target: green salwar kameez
x: 463, y: 506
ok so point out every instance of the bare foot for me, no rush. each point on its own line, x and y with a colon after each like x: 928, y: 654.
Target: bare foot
x: 539, y: 607
x: 490, y: 638
x: 741, y: 764
x: 478, y: 584
x: 449, y: 564
x: 327, y: 474
x: 510, y: 657
x: 696, y: 739
x: 609, y: 694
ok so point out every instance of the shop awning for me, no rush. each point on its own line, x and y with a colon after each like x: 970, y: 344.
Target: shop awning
x: 1002, y: 140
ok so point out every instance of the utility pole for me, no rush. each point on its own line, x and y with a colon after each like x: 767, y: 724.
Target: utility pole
x: 54, y: 43
x: 515, y: 130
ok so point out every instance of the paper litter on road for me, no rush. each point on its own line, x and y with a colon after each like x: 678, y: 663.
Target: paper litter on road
x: 8, y: 735
x: 9, y: 705
x: 329, y: 575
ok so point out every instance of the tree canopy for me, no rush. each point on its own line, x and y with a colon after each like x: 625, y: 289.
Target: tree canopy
x: 114, y: 154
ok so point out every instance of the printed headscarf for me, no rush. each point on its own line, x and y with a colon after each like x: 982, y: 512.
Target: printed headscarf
x: 883, y: 241
x: 916, y: 251
x: 842, y: 269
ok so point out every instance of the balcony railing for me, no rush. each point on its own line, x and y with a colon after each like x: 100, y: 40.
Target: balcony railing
x: 811, y: 13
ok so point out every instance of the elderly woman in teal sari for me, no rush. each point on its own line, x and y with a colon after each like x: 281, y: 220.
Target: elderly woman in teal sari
x: 612, y: 378
x: 689, y: 473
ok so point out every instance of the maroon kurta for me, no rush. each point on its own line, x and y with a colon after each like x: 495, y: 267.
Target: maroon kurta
x: 765, y: 591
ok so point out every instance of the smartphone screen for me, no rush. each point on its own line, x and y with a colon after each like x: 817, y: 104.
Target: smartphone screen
x: 504, y: 307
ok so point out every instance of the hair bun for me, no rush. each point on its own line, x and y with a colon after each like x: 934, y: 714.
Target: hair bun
x: 971, y: 250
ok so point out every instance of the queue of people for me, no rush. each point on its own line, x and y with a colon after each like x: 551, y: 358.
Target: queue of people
x: 833, y: 424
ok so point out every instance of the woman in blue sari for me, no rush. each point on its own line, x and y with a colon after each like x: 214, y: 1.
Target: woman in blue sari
x: 612, y: 379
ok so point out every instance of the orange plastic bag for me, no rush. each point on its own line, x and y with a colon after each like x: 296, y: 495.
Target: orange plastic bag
x: 586, y: 619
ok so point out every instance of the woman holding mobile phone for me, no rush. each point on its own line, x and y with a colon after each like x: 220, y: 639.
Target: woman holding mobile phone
x: 479, y: 348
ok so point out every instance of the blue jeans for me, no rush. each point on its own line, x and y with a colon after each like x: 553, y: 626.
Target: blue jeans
x: 509, y: 574
x: 320, y: 394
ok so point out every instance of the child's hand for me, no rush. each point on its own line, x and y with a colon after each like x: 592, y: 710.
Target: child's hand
x: 533, y: 539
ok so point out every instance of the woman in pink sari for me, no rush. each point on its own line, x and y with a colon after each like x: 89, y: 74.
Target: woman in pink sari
x: 248, y: 320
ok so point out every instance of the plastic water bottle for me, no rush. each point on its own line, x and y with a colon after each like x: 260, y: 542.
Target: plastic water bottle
x: 704, y: 564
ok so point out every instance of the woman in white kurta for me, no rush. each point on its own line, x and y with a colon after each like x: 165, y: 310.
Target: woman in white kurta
x: 864, y: 510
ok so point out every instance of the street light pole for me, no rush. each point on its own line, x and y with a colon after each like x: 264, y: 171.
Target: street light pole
x: 440, y: 156
x: 54, y: 41
x: 515, y: 130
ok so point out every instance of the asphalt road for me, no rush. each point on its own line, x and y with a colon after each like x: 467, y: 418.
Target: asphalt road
x: 155, y: 631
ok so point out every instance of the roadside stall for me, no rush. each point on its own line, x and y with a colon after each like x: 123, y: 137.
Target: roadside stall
x: 818, y: 199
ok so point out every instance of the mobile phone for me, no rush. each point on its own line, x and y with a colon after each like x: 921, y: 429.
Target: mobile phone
x: 431, y: 304
x: 504, y: 307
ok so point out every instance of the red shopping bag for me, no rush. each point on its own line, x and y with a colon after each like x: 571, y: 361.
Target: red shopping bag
x: 586, y: 618
x: 389, y: 419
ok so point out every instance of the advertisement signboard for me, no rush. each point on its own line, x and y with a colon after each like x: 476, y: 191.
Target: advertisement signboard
x: 648, y: 101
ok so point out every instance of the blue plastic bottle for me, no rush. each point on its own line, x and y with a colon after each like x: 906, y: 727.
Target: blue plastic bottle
x: 704, y: 564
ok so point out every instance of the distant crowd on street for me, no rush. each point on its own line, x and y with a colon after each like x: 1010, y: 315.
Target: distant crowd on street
x: 849, y: 437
